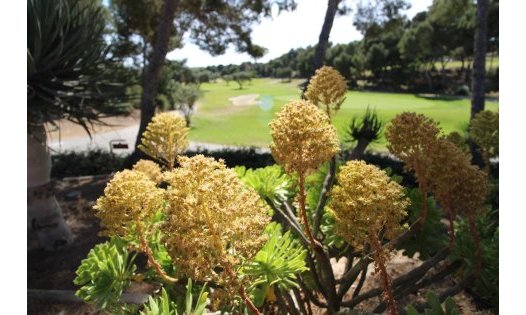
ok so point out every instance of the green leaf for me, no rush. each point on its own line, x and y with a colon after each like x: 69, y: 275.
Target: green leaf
x: 105, y: 274
x: 276, y: 264
x: 434, y: 302
x: 411, y: 310
x: 188, y: 300
x: 451, y: 307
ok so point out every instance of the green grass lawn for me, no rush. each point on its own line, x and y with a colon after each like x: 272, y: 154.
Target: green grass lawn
x: 218, y: 121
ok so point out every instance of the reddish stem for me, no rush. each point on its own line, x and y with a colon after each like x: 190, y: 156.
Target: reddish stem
x: 248, y: 302
x: 242, y: 293
x: 380, y: 262
x: 151, y: 260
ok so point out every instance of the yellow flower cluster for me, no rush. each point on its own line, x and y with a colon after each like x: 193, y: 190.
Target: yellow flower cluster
x: 214, y: 223
x: 366, y: 201
x: 327, y: 87
x: 484, y: 131
x: 150, y: 169
x: 165, y: 137
x: 129, y: 197
x: 410, y: 136
x: 303, y: 137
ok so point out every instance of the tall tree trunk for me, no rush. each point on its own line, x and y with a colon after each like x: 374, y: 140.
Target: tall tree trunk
x: 43, y: 211
x: 323, y: 41
x: 479, y: 71
x: 144, y: 48
x: 150, y: 83
x: 479, y: 58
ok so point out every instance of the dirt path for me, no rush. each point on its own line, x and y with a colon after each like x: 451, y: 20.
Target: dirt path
x: 66, y: 129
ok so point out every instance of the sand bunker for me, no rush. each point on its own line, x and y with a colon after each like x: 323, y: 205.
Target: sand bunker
x: 245, y: 100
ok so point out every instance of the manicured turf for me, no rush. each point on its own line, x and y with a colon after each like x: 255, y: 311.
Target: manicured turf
x: 218, y: 121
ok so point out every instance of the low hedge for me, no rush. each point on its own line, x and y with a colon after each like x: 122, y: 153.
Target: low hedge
x: 103, y: 162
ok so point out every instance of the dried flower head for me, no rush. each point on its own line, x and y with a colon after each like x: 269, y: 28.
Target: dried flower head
x: 150, y: 169
x: 484, y: 131
x: 458, y: 140
x: 303, y: 137
x: 165, y: 137
x: 327, y: 87
x: 129, y: 197
x: 214, y: 223
x: 455, y: 182
x: 471, y: 195
x: 410, y: 136
x: 366, y: 201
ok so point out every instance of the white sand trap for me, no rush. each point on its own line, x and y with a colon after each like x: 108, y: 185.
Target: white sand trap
x: 245, y: 100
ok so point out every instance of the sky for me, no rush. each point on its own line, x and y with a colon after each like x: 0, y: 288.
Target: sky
x: 279, y: 34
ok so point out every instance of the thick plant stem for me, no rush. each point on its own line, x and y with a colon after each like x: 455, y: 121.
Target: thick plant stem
x: 315, y: 244
x: 380, y: 262
x: 151, y: 260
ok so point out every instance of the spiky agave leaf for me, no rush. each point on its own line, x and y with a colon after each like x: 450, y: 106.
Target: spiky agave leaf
x: 68, y: 74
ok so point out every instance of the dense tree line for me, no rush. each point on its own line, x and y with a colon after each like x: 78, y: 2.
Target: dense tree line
x: 396, y: 52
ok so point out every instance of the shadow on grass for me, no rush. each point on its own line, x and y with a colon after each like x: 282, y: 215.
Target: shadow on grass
x: 441, y: 97
x: 445, y: 97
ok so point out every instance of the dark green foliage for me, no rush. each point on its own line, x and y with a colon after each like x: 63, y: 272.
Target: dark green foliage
x: 384, y: 161
x: 284, y: 73
x: 95, y: 162
x: 435, y: 308
x: 276, y: 264
x: 105, y: 274
x: 486, y: 284
x: 68, y: 75
x: 164, y: 305
x: 398, y: 54
x: 431, y: 237
x: 241, y: 78
x: 98, y: 162
x: 246, y: 156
